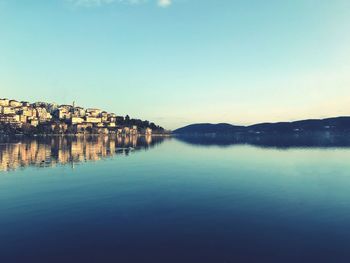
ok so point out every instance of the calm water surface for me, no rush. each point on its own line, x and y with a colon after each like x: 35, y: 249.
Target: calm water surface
x: 166, y: 200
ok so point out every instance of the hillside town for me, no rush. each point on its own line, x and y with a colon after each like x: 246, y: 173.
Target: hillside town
x: 22, y: 117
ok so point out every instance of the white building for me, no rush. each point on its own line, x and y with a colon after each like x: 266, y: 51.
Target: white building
x: 4, y: 102
x: 15, y: 103
x: 77, y: 120
x: 8, y: 110
x: 93, y: 112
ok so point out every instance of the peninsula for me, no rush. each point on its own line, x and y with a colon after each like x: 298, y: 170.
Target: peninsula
x: 21, y: 117
x: 337, y: 124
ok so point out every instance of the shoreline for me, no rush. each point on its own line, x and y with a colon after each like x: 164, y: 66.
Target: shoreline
x: 84, y: 135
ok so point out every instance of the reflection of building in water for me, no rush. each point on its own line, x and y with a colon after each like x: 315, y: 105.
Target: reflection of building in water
x: 17, y: 155
x: 49, y: 151
x: 148, y: 139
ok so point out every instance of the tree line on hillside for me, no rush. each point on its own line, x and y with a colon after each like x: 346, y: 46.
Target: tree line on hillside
x: 127, y: 121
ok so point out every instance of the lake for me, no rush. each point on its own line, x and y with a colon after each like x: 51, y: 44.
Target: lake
x: 155, y: 199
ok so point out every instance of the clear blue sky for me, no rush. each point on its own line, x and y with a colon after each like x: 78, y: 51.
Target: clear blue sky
x: 181, y: 61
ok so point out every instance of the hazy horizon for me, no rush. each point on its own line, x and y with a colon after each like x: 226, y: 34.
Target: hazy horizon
x: 177, y: 62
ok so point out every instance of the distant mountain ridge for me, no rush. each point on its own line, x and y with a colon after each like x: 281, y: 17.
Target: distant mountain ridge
x: 339, y: 124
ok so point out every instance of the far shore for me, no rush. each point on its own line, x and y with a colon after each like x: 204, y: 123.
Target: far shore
x: 85, y: 135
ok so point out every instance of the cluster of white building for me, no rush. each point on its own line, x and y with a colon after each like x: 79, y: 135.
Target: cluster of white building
x: 62, y: 117
x: 18, y: 113
x: 86, y: 118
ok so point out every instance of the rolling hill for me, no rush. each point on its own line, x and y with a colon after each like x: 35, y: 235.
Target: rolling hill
x: 338, y: 124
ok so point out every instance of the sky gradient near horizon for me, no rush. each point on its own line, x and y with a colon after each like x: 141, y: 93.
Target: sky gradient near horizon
x: 177, y: 62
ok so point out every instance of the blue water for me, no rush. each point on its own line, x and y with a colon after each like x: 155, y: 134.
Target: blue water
x: 176, y: 202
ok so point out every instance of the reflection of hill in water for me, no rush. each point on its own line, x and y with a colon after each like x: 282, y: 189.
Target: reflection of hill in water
x: 49, y: 151
x: 316, y: 139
